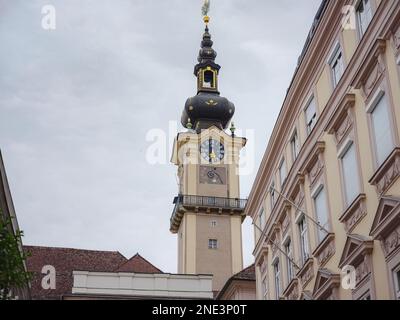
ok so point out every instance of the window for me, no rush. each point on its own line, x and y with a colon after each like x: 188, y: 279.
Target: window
x: 364, y: 16
x: 321, y: 211
x: 282, y: 172
x: 350, y: 174
x: 289, y: 263
x: 261, y: 218
x: 265, y: 288
x: 273, y: 195
x: 382, y: 130
x: 396, y: 275
x: 304, y: 240
x: 337, y: 65
x: 295, y: 146
x: 213, y: 223
x: 212, y: 244
x: 277, y: 275
x: 208, y: 79
x: 311, y: 115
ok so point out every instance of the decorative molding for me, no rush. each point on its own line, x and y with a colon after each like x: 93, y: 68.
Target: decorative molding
x: 292, y: 291
x: 312, y: 158
x: 354, y: 214
x: 341, y: 121
x: 387, y: 173
x: 386, y: 218
x: 391, y: 242
x: 371, y: 69
x: 306, y: 273
x: 325, y: 250
x: 325, y: 284
x: 355, y: 251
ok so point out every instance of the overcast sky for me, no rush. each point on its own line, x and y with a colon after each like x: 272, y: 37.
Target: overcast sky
x: 77, y: 102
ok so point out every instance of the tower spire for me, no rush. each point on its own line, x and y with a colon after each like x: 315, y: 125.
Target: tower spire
x: 208, y: 108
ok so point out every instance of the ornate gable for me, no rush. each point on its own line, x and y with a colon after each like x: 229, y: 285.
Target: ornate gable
x: 355, y: 249
x: 326, y: 284
x: 388, y: 211
x: 386, y: 225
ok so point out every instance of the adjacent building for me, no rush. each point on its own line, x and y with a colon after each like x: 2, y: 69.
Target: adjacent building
x: 7, y: 214
x: 326, y: 199
x: 76, y: 274
x: 241, y: 286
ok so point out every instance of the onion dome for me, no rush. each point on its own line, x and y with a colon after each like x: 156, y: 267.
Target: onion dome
x: 207, y: 108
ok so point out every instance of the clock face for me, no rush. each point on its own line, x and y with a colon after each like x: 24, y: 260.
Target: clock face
x: 212, y: 151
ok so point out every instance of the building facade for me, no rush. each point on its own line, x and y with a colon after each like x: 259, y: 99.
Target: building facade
x: 326, y: 199
x: 208, y: 211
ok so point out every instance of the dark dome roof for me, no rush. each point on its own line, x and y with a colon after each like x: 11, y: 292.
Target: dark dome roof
x: 207, y: 109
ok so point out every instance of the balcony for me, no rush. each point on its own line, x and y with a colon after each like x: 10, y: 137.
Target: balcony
x: 204, y: 204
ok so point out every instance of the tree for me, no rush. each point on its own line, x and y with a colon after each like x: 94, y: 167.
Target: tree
x: 12, y: 269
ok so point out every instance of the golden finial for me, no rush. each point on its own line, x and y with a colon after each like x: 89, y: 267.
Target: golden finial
x: 205, y: 10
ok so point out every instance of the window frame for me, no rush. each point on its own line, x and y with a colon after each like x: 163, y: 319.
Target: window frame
x: 289, y: 256
x: 277, y: 278
x: 214, y: 223
x: 264, y: 287
x: 295, y: 145
x: 346, y: 146
x: 375, y: 100
x: 304, y: 243
x: 311, y: 101
x: 262, y: 218
x: 361, y: 32
x: 211, y: 243
x: 333, y: 58
x: 272, y: 195
x: 328, y: 226
x: 282, y: 165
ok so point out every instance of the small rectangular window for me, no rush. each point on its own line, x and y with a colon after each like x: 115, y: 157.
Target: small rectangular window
x: 273, y: 195
x: 337, y: 66
x: 277, y: 275
x: 261, y: 218
x: 303, y: 230
x: 295, y: 146
x: 311, y: 115
x: 213, y: 223
x: 282, y: 172
x: 350, y: 174
x: 321, y: 211
x: 289, y: 263
x: 212, y: 244
x: 364, y: 16
x: 265, y: 288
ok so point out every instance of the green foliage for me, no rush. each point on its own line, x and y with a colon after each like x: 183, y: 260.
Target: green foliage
x: 12, y: 271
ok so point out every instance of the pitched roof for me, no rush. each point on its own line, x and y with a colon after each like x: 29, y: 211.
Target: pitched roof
x: 67, y: 260
x: 138, y: 264
x: 247, y: 274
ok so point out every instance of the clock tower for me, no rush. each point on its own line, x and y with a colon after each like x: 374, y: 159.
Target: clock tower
x: 208, y: 212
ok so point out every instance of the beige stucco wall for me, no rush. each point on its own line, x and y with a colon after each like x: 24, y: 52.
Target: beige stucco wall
x: 314, y: 77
